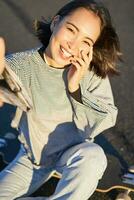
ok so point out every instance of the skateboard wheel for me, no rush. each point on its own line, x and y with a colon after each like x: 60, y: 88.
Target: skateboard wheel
x: 123, y: 196
x: 131, y: 169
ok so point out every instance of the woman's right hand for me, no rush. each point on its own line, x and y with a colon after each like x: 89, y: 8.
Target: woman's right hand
x: 2, y: 60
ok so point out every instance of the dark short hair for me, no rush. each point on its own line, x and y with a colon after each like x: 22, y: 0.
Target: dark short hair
x: 107, y: 47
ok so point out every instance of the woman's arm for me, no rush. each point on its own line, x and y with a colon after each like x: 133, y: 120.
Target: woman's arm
x: 97, y: 111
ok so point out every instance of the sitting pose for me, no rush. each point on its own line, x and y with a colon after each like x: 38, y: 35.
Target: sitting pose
x: 66, y: 80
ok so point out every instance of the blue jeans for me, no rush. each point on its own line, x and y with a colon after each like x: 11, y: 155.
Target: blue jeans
x: 81, y: 167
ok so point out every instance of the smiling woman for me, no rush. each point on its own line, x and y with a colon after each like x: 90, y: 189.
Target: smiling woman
x: 70, y: 38
x: 66, y: 81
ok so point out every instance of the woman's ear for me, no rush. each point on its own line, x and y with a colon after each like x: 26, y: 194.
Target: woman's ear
x: 54, y: 22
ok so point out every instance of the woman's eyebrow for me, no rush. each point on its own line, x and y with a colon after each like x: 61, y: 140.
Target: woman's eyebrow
x: 79, y: 30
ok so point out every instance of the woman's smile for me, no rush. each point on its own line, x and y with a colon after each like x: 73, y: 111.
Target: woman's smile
x: 65, y: 53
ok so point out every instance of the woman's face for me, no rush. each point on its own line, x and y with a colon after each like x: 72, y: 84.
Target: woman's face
x: 74, y: 33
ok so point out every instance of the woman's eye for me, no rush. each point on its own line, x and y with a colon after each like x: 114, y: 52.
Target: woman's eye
x: 71, y: 30
x: 87, y: 43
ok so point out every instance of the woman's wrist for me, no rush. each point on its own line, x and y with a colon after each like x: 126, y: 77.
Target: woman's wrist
x: 73, y: 88
x: 77, y: 95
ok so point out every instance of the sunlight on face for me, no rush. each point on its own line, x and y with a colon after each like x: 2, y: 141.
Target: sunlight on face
x: 73, y: 34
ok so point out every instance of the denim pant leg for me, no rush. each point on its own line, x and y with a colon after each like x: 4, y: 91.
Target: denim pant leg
x: 20, y: 178
x: 81, y: 167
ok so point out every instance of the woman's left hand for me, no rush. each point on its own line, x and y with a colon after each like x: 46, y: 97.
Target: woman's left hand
x: 78, y: 69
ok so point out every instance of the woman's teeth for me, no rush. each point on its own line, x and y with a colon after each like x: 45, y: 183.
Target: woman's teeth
x: 66, y: 53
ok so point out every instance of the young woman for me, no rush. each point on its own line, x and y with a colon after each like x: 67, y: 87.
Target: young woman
x: 72, y: 102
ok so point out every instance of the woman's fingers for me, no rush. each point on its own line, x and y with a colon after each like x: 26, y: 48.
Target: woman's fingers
x: 2, y: 55
x: 84, y: 58
x: 78, y: 68
x: 87, y: 56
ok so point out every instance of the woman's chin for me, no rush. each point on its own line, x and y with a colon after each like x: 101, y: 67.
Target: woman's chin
x: 62, y: 64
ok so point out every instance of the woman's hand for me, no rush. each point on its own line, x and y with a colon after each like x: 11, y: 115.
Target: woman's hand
x: 78, y: 68
x: 2, y: 55
x: 2, y: 60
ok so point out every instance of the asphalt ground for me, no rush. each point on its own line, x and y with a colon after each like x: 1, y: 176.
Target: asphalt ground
x: 16, y: 19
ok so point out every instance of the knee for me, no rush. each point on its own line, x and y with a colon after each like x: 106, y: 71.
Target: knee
x: 100, y: 159
x: 94, y: 158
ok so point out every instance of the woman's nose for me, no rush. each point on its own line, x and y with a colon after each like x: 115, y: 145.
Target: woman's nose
x: 73, y: 44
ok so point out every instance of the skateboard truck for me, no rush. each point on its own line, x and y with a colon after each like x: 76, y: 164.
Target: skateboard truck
x: 128, y: 178
x: 131, y: 169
